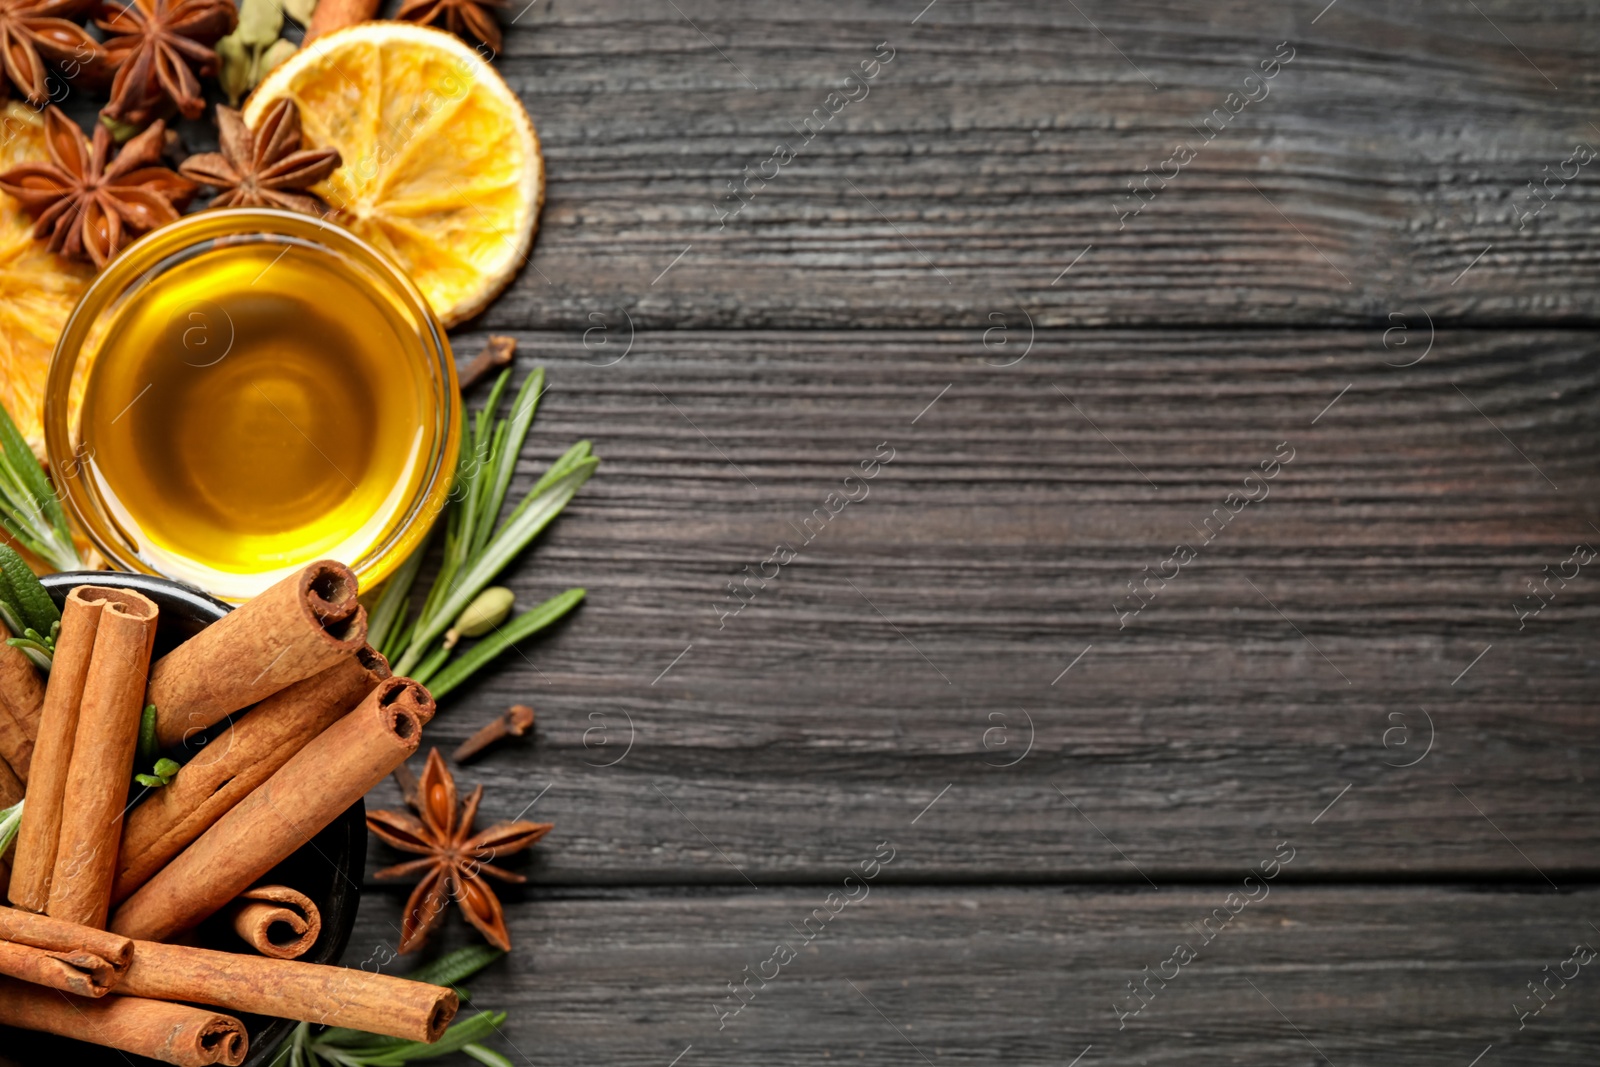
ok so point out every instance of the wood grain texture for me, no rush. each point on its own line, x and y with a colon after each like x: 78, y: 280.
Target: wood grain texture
x: 898, y: 660
x: 1401, y: 975
x: 1391, y: 152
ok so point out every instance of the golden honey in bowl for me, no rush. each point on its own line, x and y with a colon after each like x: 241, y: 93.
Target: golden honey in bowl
x: 254, y: 404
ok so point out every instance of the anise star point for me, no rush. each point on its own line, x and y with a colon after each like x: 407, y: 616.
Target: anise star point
x: 472, y: 20
x: 265, y: 167
x: 454, y: 859
x: 33, y: 31
x: 89, y: 204
x: 159, y: 49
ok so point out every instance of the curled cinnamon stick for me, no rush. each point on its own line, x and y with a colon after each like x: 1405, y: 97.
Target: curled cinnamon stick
x: 21, y: 697
x: 10, y: 785
x: 232, y: 764
x: 276, y: 921
x: 77, y: 971
x: 58, y: 725
x: 333, y: 15
x: 290, y: 989
x: 16, y: 746
x: 171, y: 1033
x: 42, y: 931
x: 103, y: 745
x: 282, y: 814
x: 302, y: 625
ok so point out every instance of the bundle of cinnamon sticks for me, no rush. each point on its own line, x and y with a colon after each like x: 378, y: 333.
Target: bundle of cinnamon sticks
x: 99, y: 943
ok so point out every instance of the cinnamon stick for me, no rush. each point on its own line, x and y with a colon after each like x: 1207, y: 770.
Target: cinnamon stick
x: 276, y: 921
x: 58, y: 725
x: 10, y: 785
x: 16, y: 746
x: 21, y: 697
x: 299, y: 627
x: 102, y: 759
x: 282, y: 814
x: 43, y: 931
x: 77, y: 971
x: 171, y: 1033
x: 235, y: 762
x: 290, y: 989
x: 333, y: 15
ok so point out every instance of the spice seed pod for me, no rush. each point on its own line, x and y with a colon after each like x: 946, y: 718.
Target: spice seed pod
x: 487, y: 610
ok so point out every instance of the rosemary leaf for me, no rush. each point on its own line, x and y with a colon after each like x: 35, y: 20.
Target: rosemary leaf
x: 10, y: 614
x: 470, y: 473
x: 492, y: 405
x: 460, y: 1034
x: 40, y: 656
x: 473, y: 522
x: 10, y: 819
x: 510, y: 437
x: 455, y: 967
x: 486, y: 1056
x: 342, y: 1037
x: 429, y: 665
x: 396, y: 645
x: 29, y: 509
x: 524, y: 625
x: 483, y: 513
x: 537, y: 512
x: 565, y: 465
x: 389, y: 612
x: 148, y: 748
x: 24, y: 591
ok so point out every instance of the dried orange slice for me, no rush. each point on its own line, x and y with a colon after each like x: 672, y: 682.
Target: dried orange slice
x: 37, y: 289
x: 441, y: 164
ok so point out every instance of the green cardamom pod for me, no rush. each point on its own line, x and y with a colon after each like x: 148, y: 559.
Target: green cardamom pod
x: 235, y: 68
x: 260, y: 22
x: 276, y: 53
x: 487, y: 610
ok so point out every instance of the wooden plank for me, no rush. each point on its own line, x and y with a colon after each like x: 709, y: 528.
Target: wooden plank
x: 1421, y: 976
x: 898, y: 660
x: 1389, y: 155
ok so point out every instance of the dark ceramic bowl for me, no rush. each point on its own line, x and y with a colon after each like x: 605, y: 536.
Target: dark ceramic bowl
x: 328, y: 869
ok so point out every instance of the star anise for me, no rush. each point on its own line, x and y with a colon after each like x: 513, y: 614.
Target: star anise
x: 472, y: 19
x: 454, y: 858
x: 32, y: 31
x: 158, y: 48
x: 264, y: 168
x: 89, y: 204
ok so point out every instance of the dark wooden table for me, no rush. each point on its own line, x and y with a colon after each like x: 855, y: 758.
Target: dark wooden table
x: 1206, y: 672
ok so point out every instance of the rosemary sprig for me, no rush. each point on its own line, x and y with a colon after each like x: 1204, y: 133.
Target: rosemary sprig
x: 524, y: 625
x: 148, y: 753
x: 27, y: 610
x: 477, y: 548
x: 341, y: 1047
x: 162, y: 773
x: 30, y: 512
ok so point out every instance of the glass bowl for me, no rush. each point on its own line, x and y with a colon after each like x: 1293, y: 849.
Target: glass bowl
x: 246, y: 391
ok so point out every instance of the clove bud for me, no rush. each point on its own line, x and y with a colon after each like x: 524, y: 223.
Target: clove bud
x: 498, y: 351
x: 517, y: 721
